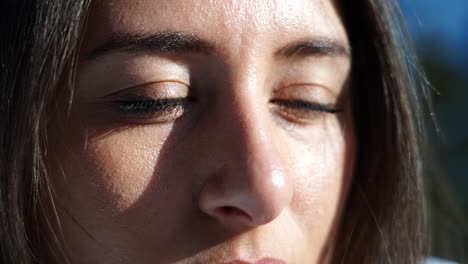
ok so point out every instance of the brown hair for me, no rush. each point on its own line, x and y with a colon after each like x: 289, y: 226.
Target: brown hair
x: 382, y: 221
x: 38, y: 49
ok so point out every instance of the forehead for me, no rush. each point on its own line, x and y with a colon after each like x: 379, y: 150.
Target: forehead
x: 229, y: 23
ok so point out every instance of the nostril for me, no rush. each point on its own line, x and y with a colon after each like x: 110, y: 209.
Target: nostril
x: 232, y: 212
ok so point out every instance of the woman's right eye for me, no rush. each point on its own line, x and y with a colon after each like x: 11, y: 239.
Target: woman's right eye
x: 151, y: 103
x: 152, y: 110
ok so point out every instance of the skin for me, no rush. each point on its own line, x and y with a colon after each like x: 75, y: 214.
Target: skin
x: 231, y: 175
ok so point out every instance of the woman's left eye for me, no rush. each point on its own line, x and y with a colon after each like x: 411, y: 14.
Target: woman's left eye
x: 300, y: 111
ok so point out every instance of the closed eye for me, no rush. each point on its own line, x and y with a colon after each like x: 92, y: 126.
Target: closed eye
x: 149, y: 110
x: 302, y: 112
x: 150, y: 105
x: 306, y: 106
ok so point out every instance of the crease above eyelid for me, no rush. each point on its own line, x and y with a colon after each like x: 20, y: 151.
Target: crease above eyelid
x: 305, y: 92
x: 148, y: 90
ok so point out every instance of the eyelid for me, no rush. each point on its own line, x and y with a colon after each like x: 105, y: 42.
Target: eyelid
x: 309, y: 92
x: 156, y: 90
x: 154, y: 102
x: 303, y: 104
x: 97, y: 79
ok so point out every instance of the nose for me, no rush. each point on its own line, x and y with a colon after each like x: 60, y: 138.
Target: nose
x: 251, y: 185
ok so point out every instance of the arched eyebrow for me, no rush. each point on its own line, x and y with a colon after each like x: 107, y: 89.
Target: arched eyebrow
x: 186, y: 43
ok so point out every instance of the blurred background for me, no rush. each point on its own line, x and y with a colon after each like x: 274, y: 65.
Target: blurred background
x: 440, y: 32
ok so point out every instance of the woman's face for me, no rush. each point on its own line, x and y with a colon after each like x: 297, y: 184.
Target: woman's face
x: 207, y: 132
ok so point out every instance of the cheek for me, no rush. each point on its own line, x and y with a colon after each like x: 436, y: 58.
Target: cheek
x: 322, y: 171
x: 114, y: 170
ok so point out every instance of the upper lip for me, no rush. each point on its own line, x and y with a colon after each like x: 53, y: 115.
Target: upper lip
x: 262, y: 261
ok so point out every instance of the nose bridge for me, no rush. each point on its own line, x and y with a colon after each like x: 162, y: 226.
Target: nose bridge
x: 256, y: 153
x: 250, y: 130
x: 254, y: 179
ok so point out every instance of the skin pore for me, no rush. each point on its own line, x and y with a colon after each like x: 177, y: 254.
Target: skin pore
x: 206, y: 132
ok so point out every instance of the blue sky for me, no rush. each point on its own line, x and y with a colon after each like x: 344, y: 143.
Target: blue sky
x: 445, y: 25
x: 444, y: 22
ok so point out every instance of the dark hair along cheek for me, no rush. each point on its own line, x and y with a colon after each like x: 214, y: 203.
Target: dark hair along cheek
x: 39, y: 65
x: 386, y: 191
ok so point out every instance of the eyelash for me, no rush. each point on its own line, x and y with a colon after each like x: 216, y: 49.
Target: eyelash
x: 152, y: 105
x: 169, y: 109
x: 148, y: 110
x: 307, y: 106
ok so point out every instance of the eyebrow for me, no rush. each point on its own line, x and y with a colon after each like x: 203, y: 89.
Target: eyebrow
x: 314, y: 47
x: 165, y: 42
x: 185, y: 43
